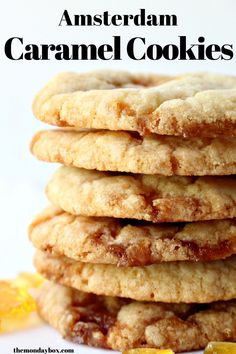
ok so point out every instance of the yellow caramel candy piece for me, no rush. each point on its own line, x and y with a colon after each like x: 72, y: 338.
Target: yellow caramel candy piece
x: 148, y: 351
x: 17, y: 305
x: 28, y: 280
x: 220, y: 348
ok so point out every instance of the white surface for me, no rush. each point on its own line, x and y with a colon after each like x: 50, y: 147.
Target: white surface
x: 44, y: 337
x: 22, y: 178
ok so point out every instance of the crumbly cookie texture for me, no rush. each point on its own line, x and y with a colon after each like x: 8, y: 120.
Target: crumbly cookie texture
x: 200, y: 104
x: 119, y: 324
x: 129, y: 152
x: 129, y: 243
x: 187, y: 282
x: 145, y: 197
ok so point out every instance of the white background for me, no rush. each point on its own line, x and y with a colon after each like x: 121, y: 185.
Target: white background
x: 22, y: 178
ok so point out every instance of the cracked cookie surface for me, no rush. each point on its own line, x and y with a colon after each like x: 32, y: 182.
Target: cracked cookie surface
x: 120, y: 324
x: 198, y: 104
x: 145, y: 197
x: 129, y: 152
x: 129, y: 243
x: 176, y: 282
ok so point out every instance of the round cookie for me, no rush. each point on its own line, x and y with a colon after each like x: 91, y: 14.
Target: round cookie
x: 145, y: 197
x: 200, y: 104
x: 129, y: 152
x: 188, y: 282
x: 128, y: 243
x: 120, y: 324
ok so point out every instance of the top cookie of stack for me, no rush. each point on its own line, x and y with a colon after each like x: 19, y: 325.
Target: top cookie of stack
x: 191, y: 105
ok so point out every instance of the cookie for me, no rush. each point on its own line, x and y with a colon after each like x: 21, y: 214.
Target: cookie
x: 128, y: 243
x: 200, y: 104
x: 166, y: 282
x: 120, y: 324
x: 129, y: 152
x: 145, y: 197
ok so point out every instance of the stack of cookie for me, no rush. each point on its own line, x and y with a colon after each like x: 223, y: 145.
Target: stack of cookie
x: 140, y: 239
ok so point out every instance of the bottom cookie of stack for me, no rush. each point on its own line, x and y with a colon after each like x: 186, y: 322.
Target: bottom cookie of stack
x: 117, y: 323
